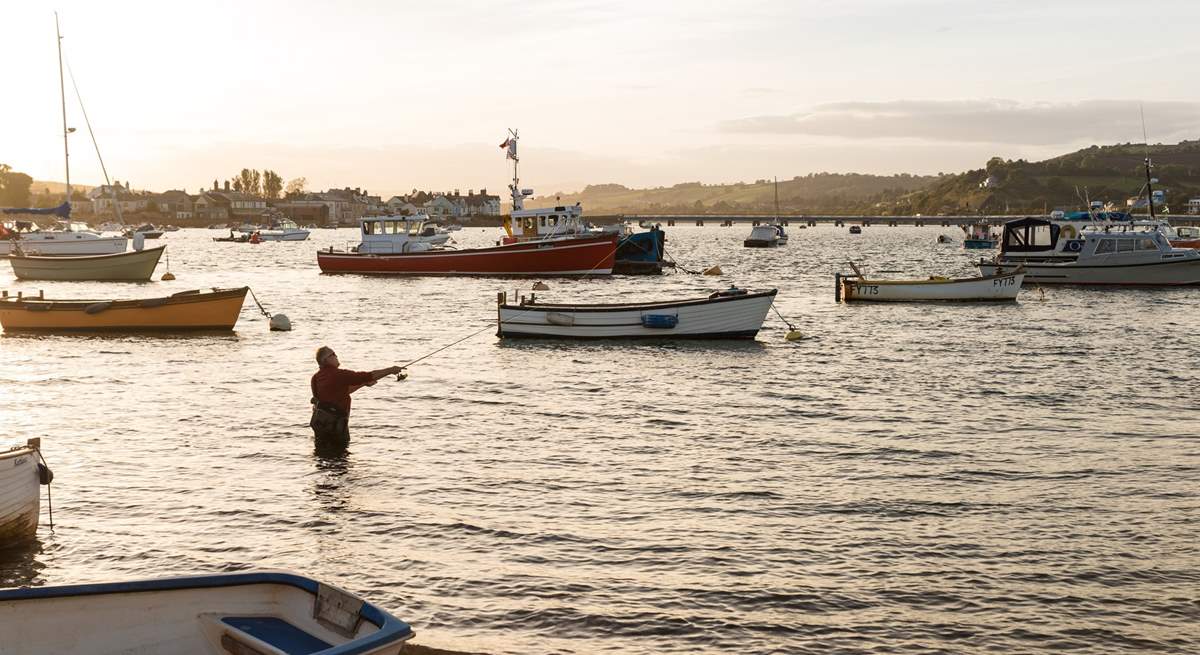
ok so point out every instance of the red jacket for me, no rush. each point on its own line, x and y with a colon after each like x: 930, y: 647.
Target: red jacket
x: 333, y: 386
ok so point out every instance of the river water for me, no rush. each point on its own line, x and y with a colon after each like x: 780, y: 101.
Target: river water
x: 958, y: 479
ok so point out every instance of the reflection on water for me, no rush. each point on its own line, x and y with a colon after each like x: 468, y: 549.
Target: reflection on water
x: 21, y: 565
x: 928, y: 478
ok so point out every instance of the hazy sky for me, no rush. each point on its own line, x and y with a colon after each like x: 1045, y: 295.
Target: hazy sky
x: 395, y: 95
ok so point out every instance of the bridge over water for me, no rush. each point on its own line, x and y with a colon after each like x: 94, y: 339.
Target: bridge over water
x: 814, y: 219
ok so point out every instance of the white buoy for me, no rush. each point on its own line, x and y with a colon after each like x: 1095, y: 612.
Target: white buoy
x: 280, y: 323
x: 540, y: 286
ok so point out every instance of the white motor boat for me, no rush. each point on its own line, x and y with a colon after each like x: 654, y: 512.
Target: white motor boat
x: 730, y: 314
x: 766, y: 236
x: 283, y: 231
x: 1129, y: 254
x: 67, y: 241
x: 256, y: 613
x: 109, y: 226
x: 399, y: 234
x: 20, y: 494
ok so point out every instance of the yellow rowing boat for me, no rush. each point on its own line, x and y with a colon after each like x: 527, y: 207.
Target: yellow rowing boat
x: 188, y: 310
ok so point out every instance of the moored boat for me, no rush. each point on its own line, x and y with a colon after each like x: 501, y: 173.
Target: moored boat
x: 641, y: 253
x: 766, y: 236
x: 731, y: 314
x: 854, y: 229
x: 69, y: 240
x: 147, y: 231
x: 1131, y: 254
x: 187, y: 310
x: 253, y: 613
x: 585, y: 256
x: 134, y: 265
x: 284, y: 230
x: 20, y: 494
x: 988, y: 288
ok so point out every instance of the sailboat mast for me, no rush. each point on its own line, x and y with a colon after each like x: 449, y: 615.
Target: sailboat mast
x: 1149, y: 189
x: 62, y: 94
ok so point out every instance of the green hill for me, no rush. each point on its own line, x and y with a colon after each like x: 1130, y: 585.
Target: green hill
x: 817, y: 192
x: 1106, y: 173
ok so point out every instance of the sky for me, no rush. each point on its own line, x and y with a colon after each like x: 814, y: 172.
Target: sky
x: 391, y: 96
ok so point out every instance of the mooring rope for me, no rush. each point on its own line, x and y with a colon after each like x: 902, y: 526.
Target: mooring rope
x: 260, y: 307
x: 49, y: 499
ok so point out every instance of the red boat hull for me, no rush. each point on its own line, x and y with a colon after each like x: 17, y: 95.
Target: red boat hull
x: 1185, y: 243
x: 566, y: 257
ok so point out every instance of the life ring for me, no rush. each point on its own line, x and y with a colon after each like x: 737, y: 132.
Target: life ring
x: 1068, y: 232
x: 1074, y: 246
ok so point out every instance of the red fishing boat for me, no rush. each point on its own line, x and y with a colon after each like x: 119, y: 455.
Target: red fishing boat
x: 539, y: 242
x: 559, y: 257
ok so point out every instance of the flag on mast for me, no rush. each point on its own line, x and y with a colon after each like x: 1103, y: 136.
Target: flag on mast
x: 511, y: 144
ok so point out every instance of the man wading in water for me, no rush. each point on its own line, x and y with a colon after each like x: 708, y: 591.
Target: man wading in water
x: 331, y: 389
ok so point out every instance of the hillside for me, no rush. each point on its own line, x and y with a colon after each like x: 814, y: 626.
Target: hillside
x: 1106, y: 173
x: 818, y: 192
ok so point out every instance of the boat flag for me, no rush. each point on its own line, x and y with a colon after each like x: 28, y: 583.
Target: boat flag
x: 505, y: 144
x: 511, y: 144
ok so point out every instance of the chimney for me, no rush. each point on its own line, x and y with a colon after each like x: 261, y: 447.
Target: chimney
x: 227, y: 185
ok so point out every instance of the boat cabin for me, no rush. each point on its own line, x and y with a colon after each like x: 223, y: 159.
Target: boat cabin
x: 563, y: 221
x: 392, y: 234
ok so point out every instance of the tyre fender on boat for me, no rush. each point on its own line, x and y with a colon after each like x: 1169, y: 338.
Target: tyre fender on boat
x: 96, y: 308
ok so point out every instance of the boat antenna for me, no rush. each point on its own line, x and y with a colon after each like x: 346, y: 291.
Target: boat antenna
x: 1149, y: 180
x: 62, y: 94
x: 518, y: 202
x: 96, y: 144
x: 776, y: 200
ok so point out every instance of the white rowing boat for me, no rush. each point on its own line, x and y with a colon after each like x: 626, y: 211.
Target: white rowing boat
x: 987, y: 288
x: 731, y: 314
x: 260, y: 613
x: 20, y: 495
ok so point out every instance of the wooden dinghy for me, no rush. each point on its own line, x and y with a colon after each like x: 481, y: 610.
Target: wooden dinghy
x: 732, y: 314
x: 188, y: 310
x: 257, y: 613
x: 20, y: 494
x: 988, y: 288
x: 133, y: 266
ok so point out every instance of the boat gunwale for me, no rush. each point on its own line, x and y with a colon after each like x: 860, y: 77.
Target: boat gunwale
x: 77, y: 304
x: 79, y: 258
x: 965, y: 280
x: 618, y: 307
x: 390, y: 628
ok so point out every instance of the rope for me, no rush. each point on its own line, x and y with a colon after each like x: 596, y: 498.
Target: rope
x: 785, y: 321
x: 49, y: 499
x: 489, y: 326
x: 260, y: 307
x: 679, y: 266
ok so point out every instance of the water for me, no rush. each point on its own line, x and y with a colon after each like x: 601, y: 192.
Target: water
x: 922, y: 478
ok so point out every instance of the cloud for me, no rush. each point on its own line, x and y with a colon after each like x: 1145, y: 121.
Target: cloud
x: 983, y: 121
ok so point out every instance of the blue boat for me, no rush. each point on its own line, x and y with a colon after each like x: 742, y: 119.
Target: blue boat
x: 641, y: 253
x: 258, y: 613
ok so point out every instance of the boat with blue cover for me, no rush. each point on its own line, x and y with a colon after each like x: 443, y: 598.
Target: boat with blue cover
x: 729, y: 314
x: 254, y: 613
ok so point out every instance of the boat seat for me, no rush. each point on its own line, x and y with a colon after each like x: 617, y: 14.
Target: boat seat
x: 281, y: 636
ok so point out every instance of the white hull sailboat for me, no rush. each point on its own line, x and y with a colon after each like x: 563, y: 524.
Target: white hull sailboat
x: 256, y: 613
x: 64, y: 243
x: 733, y: 314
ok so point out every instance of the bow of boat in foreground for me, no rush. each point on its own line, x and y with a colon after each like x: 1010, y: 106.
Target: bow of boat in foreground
x: 188, y: 310
x: 257, y: 613
x: 733, y: 314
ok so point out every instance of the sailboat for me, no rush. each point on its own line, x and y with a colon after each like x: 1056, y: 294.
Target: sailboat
x: 68, y: 240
